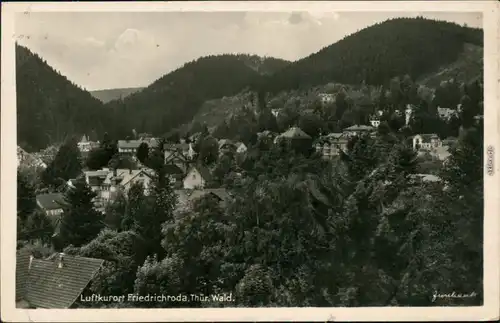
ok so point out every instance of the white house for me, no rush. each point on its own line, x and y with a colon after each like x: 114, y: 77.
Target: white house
x: 331, y: 145
x: 51, y: 203
x: 128, y: 147
x: 426, y: 142
x: 123, y: 179
x: 446, y: 114
x: 197, y: 178
x: 85, y: 145
x: 375, y: 121
x: 357, y: 130
x: 241, y: 148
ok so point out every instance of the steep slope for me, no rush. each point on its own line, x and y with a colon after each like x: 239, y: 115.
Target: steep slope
x: 468, y: 67
x: 414, y: 46
x: 176, y: 97
x: 114, y: 94
x: 49, y: 106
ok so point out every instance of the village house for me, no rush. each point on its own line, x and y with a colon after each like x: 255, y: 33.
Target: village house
x: 197, y: 177
x: 128, y: 147
x: 357, y: 130
x: 95, y: 179
x: 52, y: 204
x: 446, y: 114
x: 85, y: 145
x: 121, y: 180
x: 181, y: 154
x: 375, y: 121
x: 296, y: 138
x: 326, y: 98
x: 241, y: 148
x: 175, y: 174
x: 52, y: 283
x: 426, y: 142
x: 331, y: 145
x: 30, y: 160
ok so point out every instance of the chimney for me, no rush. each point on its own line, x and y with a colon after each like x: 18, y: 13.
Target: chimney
x: 130, y: 170
x: 31, y: 261
x: 115, y: 173
x: 61, y: 258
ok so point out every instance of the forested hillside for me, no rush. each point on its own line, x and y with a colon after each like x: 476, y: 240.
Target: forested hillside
x: 49, y: 106
x: 427, y: 51
x: 413, y: 46
x: 176, y: 97
x: 114, y: 94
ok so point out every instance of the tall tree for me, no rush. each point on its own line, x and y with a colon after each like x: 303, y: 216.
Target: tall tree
x: 80, y: 222
x: 142, y: 152
x: 66, y: 164
x: 26, y: 199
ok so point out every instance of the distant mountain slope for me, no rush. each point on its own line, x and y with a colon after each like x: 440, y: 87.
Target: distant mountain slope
x: 114, y: 94
x: 414, y: 46
x: 49, y: 106
x: 468, y: 67
x: 176, y: 97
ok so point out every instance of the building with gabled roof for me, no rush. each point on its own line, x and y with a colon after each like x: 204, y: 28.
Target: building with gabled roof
x: 123, y: 179
x: 330, y: 145
x: 55, y: 282
x: 357, y: 130
x: 52, y: 204
x: 197, y: 177
x: 426, y: 141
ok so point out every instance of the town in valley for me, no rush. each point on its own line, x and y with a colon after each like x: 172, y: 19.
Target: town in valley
x: 349, y: 177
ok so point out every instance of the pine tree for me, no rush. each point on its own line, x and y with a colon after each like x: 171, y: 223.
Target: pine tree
x: 80, y: 222
x: 142, y: 152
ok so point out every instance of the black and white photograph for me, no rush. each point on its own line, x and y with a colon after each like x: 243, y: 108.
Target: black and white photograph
x: 223, y: 158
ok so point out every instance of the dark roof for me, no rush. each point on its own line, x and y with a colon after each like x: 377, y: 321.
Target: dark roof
x: 295, y: 133
x: 50, y: 201
x: 173, y: 169
x: 22, y: 263
x: 428, y: 136
x: 129, y: 144
x: 48, y: 286
x: 359, y: 128
x: 183, y: 146
x: 204, y: 172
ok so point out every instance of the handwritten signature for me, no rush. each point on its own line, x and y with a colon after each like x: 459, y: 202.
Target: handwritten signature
x: 453, y: 294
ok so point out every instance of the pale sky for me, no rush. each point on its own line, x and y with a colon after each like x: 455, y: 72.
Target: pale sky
x: 114, y: 50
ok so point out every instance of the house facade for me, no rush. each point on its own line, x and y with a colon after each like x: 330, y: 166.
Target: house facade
x: 197, y: 178
x: 241, y: 148
x: 85, y: 145
x: 52, y: 204
x: 330, y: 145
x: 446, y: 114
x: 121, y: 180
x: 128, y: 147
x: 357, y: 130
x: 426, y: 142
